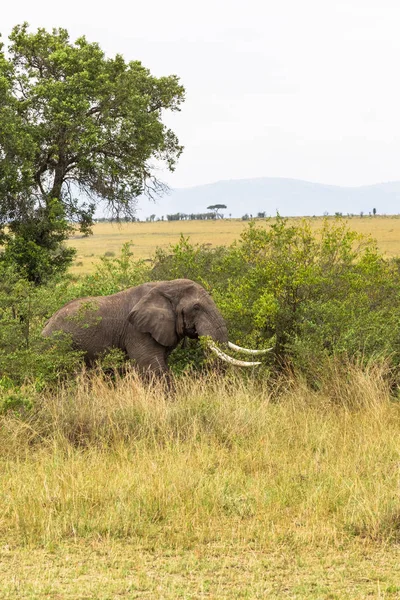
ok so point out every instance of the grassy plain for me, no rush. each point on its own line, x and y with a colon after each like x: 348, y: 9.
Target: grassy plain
x: 146, y: 237
x: 110, y: 570
x: 233, y: 490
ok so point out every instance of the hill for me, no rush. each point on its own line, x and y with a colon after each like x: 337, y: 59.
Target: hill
x: 290, y: 197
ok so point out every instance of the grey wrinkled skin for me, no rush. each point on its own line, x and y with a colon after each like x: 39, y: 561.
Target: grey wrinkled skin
x: 146, y: 322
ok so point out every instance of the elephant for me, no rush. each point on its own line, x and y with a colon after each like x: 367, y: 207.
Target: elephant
x: 146, y: 322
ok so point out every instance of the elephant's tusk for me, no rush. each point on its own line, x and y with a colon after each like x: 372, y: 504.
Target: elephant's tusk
x: 248, y: 350
x: 229, y: 359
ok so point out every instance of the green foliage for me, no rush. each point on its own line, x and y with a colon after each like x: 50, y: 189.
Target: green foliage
x: 185, y: 260
x: 24, y: 353
x: 191, y: 356
x: 112, y: 360
x: 35, y: 246
x: 312, y: 294
x: 14, y: 398
x: 114, y: 274
x: 74, y: 124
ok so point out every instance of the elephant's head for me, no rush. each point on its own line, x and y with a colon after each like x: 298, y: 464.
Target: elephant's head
x: 172, y: 310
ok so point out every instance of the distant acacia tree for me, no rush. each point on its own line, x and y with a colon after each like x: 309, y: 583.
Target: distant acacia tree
x: 75, y: 124
x: 216, y: 208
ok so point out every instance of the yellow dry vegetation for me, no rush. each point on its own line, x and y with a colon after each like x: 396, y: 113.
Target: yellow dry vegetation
x: 113, y: 569
x: 146, y: 237
x: 232, y: 490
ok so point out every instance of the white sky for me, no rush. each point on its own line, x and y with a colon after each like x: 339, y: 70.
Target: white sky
x: 307, y: 89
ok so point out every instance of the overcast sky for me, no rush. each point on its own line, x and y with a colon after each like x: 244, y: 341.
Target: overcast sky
x: 304, y: 89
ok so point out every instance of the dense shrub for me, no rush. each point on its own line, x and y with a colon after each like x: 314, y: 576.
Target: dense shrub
x: 34, y: 246
x: 113, y: 274
x: 24, y: 353
x: 24, y: 308
x: 311, y: 295
x: 201, y: 263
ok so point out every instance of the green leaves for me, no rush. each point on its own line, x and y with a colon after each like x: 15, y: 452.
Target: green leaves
x: 98, y: 119
x: 78, y: 125
x: 315, y: 292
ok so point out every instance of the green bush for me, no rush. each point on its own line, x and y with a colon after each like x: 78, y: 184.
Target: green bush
x: 313, y: 294
x: 201, y: 263
x: 26, y: 356
x: 24, y: 353
x: 112, y: 275
x: 34, y: 246
x: 14, y: 398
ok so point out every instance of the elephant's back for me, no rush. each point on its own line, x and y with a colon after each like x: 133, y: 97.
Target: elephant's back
x: 66, y: 318
x: 96, y: 310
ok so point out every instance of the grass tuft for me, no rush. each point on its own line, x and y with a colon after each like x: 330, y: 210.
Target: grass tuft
x: 223, y: 460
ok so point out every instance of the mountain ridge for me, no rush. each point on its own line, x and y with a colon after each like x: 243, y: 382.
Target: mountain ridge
x: 288, y: 196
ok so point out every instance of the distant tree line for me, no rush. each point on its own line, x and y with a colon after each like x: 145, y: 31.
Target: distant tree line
x: 193, y: 217
x: 199, y: 216
x: 113, y: 220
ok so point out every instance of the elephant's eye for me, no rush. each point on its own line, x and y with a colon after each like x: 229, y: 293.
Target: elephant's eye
x: 196, y: 306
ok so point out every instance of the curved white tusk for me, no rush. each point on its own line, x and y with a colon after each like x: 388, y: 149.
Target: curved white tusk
x: 229, y: 359
x: 248, y: 350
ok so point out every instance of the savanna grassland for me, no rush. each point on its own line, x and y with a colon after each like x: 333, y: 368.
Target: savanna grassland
x: 232, y: 490
x: 146, y: 237
x: 281, y: 482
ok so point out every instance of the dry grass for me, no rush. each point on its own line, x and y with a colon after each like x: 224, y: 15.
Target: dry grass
x: 107, y: 569
x: 223, y: 462
x: 230, y: 489
x: 146, y: 237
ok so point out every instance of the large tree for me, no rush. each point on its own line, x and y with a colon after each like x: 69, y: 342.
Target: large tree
x: 76, y: 128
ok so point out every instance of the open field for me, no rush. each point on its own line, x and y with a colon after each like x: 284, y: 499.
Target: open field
x: 233, y: 490
x: 146, y: 237
x: 237, y: 487
x: 107, y: 570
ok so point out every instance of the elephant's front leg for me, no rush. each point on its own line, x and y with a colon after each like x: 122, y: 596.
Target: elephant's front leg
x: 149, y: 356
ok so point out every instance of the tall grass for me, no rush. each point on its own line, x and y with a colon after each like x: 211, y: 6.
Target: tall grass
x: 223, y: 460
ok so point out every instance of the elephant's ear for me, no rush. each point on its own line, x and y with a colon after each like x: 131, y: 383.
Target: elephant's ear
x: 154, y: 314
